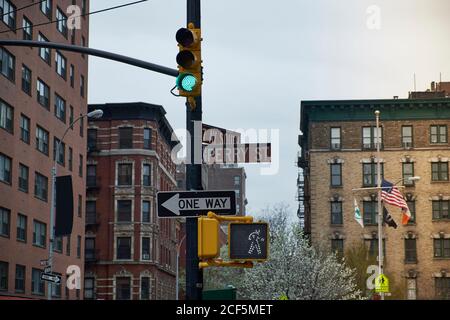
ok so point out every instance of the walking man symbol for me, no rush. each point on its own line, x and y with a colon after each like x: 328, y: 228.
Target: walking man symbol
x: 255, y: 238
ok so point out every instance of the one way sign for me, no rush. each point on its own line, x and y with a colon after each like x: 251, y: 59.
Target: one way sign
x: 174, y: 204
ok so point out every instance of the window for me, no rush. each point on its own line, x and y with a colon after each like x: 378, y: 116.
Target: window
x: 61, y: 65
x: 24, y: 129
x: 410, y: 251
x: 37, y: 285
x: 407, y: 136
x: 21, y: 227
x: 147, y: 138
x: 370, y: 212
x: 336, y: 174
x: 60, y: 108
x: 370, y: 175
x: 27, y: 29
x: 89, y: 249
x: 40, y: 186
x: 44, y: 53
x: 337, y: 245
x: 80, y: 202
x: 123, y: 288
x: 91, y: 175
x: 80, y: 166
x: 8, y: 13
x: 20, y: 278
x: 82, y: 86
x: 83, y: 7
x: 56, y: 288
x: 26, y: 79
x: 83, y: 44
x: 91, y: 212
x: 7, y: 64
x: 4, y: 275
x: 43, y: 94
x: 123, y: 248
x: 336, y: 212
x: 39, y: 234
x: 237, y: 180
x: 126, y: 138
x: 335, y: 138
x: 441, y: 209
x: 68, y: 246
x: 42, y: 140
x: 408, y: 172
x: 61, y: 24
x: 442, y: 248
x: 70, y: 159
x: 369, y: 137
x: 5, y: 222
x: 72, y: 38
x: 145, y: 211
x: 71, y: 117
x: 23, y: 177
x: 411, y: 286
x: 146, y: 175
x: 145, y: 288
x: 81, y: 125
x: 438, y: 134
x: 60, y: 154
x: 412, y: 209
x: 92, y: 139
x: 373, y: 248
x: 125, y: 174
x: 89, y: 288
x: 72, y: 75
x: 6, y: 117
x: 439, y: 171
x: 442, y: 286
x: 46, y: 8
x: 57, y: 247
x: 145, y: 248
x: 78, y: 246
x: 5, y: 168
x: 123, y: 210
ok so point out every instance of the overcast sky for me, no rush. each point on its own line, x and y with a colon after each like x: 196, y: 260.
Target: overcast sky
x: 261, y: 58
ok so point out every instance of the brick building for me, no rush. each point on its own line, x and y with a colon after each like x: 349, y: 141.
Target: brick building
x: 41, y: 92
x: 338, y: 154
x: 130, y: 253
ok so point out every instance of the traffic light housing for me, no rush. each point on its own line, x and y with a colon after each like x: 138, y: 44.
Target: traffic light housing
x: 189, y: 80
x: 208, y: 238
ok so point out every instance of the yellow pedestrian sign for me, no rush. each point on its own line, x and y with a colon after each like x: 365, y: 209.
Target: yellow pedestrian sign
x: 382, y: 284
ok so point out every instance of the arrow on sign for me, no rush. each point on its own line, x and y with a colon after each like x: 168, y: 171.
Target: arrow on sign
x: 175, y: 204
x: 51, y: 277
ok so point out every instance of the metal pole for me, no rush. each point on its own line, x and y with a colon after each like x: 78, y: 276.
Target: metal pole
x: 178, y: 263
x: 194, y: 275
x: 380, y: 210
x: 52, y: 222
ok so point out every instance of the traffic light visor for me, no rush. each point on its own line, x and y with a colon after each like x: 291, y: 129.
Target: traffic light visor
x: 185, y: 37
x: 186, y: 82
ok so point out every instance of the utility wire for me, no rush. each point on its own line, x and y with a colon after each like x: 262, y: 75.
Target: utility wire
x: 24, y: 7
x: 81, y: 15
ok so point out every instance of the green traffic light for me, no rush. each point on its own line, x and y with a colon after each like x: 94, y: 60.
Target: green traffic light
x: 186, y: 82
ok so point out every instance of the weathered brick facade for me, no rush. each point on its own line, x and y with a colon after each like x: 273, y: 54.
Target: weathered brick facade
x: 144, y: 274
x: 317, y: 156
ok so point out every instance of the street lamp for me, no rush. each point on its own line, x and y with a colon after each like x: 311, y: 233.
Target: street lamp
x: 178, y: 258
x: 96, y: 114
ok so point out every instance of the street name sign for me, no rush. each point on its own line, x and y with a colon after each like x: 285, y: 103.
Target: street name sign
x: 176, y: 204
x: 248, y: 241
x: 51, y: 277
x: 48, y: 270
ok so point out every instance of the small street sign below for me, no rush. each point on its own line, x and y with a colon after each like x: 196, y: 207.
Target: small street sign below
x: 175, y: 204
x: 382, y: 283
x: 248, y: 241
x: 51, y: 277
x: 47, y: 270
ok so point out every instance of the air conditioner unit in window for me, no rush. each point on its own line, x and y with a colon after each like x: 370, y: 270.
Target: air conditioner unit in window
x: 146, y: 256
x: 407, y: 145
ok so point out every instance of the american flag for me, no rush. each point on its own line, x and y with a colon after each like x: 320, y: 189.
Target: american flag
x: 390, y: 194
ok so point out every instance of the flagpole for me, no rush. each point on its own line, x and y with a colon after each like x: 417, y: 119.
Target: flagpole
x: 380, y: 211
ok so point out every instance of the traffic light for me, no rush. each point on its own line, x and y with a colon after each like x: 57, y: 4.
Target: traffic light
x: 208, y: 238
x: 189, y: 80
x: 248, y: 241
